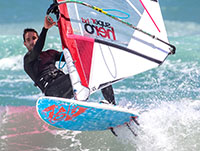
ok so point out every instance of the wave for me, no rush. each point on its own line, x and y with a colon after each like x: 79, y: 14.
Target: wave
x: 181, y: 29
x: 171, y: 126
x: 168, y: 126
x: 12, y: 63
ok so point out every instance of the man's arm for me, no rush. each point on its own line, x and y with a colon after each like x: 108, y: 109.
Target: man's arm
x: 37, y: 49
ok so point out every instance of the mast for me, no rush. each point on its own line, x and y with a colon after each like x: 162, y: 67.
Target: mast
x: 81, y: 93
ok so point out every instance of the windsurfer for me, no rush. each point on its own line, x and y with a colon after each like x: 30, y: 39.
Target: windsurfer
x: 40, y: 66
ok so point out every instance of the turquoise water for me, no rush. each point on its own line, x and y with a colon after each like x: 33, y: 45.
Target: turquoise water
x: 167, y: 98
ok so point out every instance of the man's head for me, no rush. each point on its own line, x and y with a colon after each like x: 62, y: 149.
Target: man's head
x: 30, y: 37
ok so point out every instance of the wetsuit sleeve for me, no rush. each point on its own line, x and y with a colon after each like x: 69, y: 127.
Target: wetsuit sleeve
x: 34, y: 54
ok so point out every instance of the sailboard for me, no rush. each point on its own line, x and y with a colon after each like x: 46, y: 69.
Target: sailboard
x: 82, y: 116
x: 107, y: 41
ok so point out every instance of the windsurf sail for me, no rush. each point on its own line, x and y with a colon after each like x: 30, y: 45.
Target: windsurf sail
x: 113, y: 39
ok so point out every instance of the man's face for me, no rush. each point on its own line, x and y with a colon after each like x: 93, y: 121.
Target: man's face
x: 30, y: 40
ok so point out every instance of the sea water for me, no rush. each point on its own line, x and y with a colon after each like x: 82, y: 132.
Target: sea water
x: 167, y: 98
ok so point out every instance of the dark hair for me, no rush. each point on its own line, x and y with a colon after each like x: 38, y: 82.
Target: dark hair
x: 29, y: 30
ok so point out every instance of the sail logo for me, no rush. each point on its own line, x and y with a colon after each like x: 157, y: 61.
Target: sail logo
x: 56, y: 113
x: 101, y: 28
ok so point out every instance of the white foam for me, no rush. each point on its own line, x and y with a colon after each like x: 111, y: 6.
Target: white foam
x: 169, y: 126
x: 12, y: 63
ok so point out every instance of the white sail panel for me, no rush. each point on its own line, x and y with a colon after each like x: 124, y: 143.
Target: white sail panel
x: 115, y: 64
x: 151, y: 22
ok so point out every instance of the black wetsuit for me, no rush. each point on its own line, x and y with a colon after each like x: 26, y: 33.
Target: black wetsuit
x: 108, y: 94
x: 40, y: 66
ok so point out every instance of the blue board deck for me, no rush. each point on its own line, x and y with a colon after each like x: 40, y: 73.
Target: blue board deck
x: 82, y: 116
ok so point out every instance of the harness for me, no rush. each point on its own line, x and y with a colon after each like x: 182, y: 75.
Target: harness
x: 47, y: 76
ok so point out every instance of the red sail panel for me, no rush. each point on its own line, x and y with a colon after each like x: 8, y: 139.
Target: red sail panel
x: 81, y: 48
